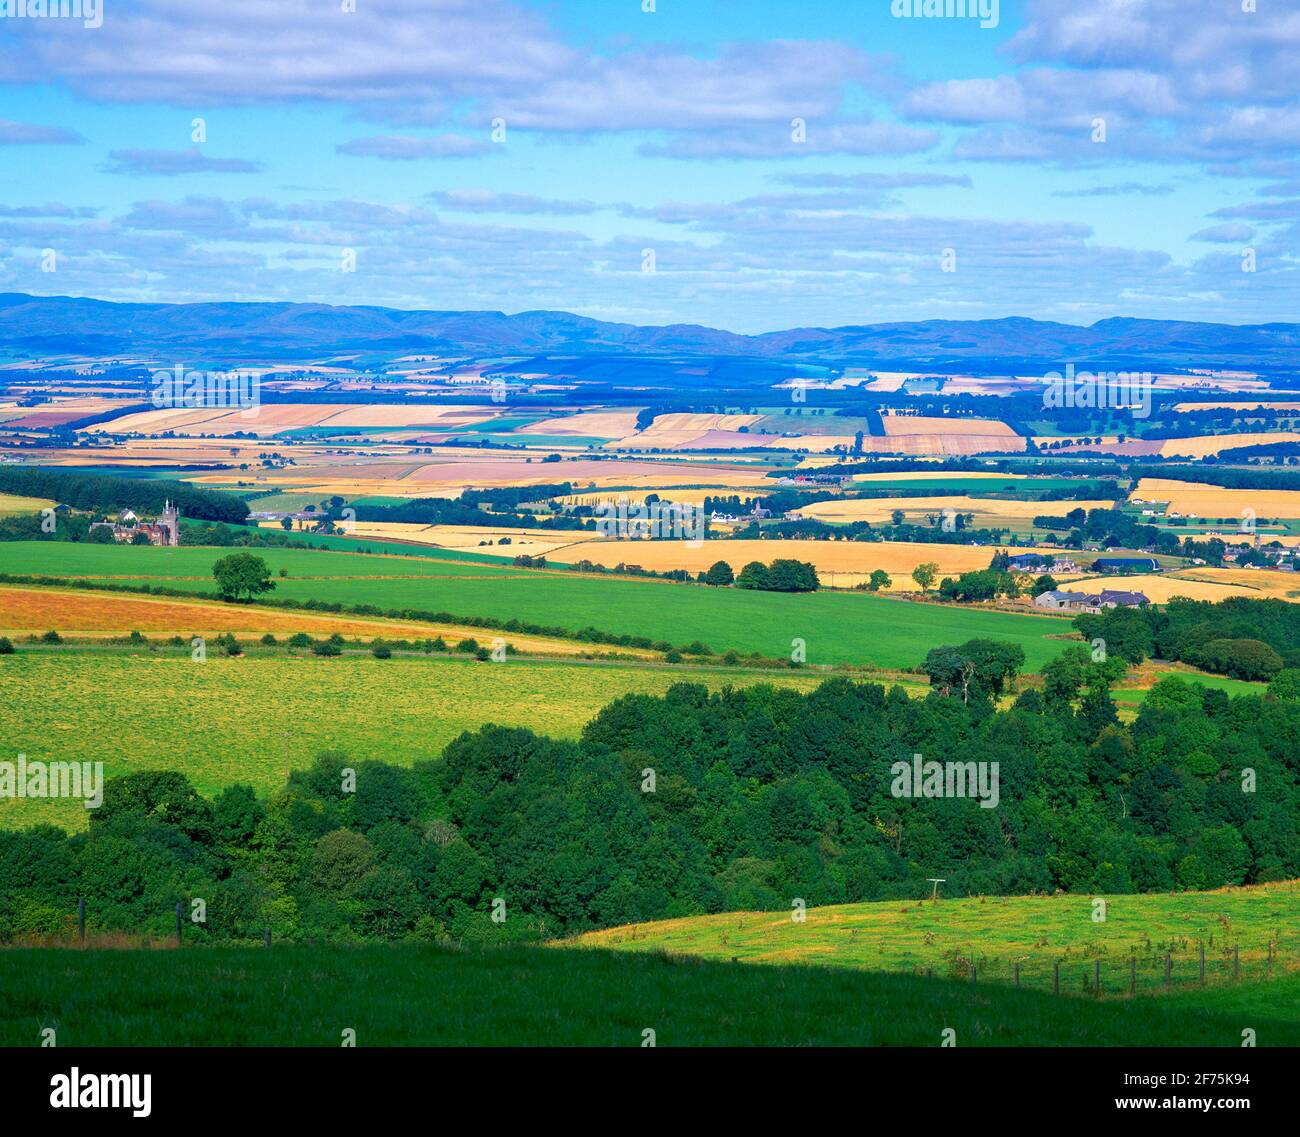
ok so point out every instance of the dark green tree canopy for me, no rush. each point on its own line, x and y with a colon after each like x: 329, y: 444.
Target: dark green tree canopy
x: 242, y: 576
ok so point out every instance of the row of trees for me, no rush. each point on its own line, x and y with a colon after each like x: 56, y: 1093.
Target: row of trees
x: 782, y: 575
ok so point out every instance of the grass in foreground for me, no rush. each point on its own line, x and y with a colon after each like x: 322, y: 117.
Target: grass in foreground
x: 414, y: 995
x: 997, y: 932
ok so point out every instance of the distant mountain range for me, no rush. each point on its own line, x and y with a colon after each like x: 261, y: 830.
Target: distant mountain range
x: 40, y: 326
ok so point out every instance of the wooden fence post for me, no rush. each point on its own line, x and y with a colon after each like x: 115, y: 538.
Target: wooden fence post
x: 268, y: 937
x: 1169, y: 968
x: 81, y: 920
x: 972, y: 971
x: 1056, y: 977
x: 1017, y: 974
x: 1132, y: 975
x: 1202, y: 961
x: 178, y: 923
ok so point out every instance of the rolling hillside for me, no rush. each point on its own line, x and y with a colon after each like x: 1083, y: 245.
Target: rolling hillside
x: 40, y: 325
x: 996, y: 933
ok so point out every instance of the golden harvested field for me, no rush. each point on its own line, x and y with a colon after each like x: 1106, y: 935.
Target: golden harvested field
x: 12, y: 503
x: 418, y: 415
x: 1200, y: 584
x: 850, y: 561
x: 448, y: 478
x: 1206, y: 501
x: 1252, y: 582
x: 1215, y: 443
x: 1157, y: 589
x: 938, y: 475
x: 920, y: 435
x: 530, y: 542
x: 674, y: 429
x: 269, y: 418
x: 591, y: 424
x: 25, y: 611
x: 942, y: 445
x: 896, y: 425
x: 1245, y: 405
x: 150, y: 422
x: 734, y: 440
x: 1229, y: 381
x: 880, y: 509
x: 987, y: 385
x: 170, y: 451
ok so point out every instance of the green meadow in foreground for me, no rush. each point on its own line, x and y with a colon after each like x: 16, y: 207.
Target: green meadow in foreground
x: 836, y: 627
x: 994, y: 933
x: 254, y: 718
x: 413, y: 995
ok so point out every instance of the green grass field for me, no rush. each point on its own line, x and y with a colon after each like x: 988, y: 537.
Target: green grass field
x: 995, y: 933
x: 837, y: 627
x: 427, y: 996
x: 1234, y: 687
x: 255, y: 718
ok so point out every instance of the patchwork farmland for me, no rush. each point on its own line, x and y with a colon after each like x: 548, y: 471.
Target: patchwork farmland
x: 837, y: 628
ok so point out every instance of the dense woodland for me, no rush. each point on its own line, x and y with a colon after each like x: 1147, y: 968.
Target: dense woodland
x: 759, y: 796
x: 100, y: 493
x: 1242, y: 637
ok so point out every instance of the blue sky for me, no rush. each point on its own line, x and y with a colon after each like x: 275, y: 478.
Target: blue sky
x: 349, y: 157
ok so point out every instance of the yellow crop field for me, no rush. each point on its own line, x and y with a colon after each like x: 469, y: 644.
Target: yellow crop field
x: 12, y: 503
x: 1206, y: 501
x: 1215, y: 443
x: 700, y: 422
x: 896, y: 425
x: 670, y: 430
x: 530, y: 542
x: 1244, y: 405
x: 151, y: 422
x: 849, y: 561
x: 918, y: 435
x: 938, y: 475
x: 592, y: 424
x: 1200, y: 584
x: 880, y: 509
x: 25, y: 611
x: 1157, y: 589
x: 264, y: 419
x: 388, y: 477
x: 401, y: 415
x: 1261, y: 583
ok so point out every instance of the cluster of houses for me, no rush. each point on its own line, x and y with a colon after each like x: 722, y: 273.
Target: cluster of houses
x: 1039, y: 562
x: 758, y: 513
x: 1094, y: 602
x: 804, y: 481
x: 303, y: 516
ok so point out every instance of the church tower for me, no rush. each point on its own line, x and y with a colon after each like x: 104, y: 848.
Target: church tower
x: 170, y: 523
